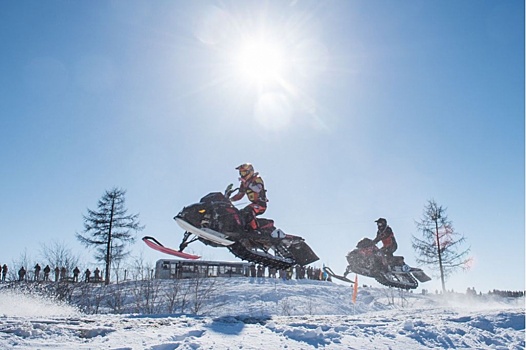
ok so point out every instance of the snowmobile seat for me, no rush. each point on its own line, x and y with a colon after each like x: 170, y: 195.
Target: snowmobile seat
x: 364, y: 243
x: 397, y: 261
x: 213, y: 197
x: 265, y: 224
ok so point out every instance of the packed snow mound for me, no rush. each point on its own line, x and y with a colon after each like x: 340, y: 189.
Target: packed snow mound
x: 249, y: 297
x: 251, y: 313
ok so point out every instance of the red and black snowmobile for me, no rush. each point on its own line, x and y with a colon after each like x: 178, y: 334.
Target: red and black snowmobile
x: 368, y: 260
x: 216, y: 222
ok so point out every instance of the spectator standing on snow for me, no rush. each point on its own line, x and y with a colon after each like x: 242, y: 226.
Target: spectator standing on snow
x: 97, y: 274
x: 21, y: 274
x: 272, y: 272
x: 37, y: 272
x: 47, y: 270
x: 87, y: 274
x: 4, y: 272
x: 261, y: 271
x: 76, y: 272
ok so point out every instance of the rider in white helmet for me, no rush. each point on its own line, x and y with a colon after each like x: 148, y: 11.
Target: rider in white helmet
x: 252, y: 185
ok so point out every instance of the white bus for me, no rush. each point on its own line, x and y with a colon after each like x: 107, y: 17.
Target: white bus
x: 175, y: 268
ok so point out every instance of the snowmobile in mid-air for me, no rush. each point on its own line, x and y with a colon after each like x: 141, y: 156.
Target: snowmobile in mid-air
x: 368, y: 260
x: 216, y: 222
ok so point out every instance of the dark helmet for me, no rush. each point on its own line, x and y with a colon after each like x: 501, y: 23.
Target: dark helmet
x: 382, y: 223
x: 246, y: 170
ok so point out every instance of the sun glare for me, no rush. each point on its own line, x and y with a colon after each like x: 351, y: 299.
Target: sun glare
x: 260, y: 62
x: 270, y: 58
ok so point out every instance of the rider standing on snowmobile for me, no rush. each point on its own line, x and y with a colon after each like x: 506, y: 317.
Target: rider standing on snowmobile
x: 386, y: 235
x: 252, y: 185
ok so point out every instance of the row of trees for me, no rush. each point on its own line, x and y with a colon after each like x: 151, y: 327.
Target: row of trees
x: 110, y: 229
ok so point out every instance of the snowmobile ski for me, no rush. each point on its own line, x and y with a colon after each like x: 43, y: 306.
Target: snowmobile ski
x: 205, y: 233
x: 155, y: 244
x: 331, y: 273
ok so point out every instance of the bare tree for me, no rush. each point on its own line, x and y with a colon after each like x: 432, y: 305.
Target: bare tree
x: 147, y: 296
x: 202, y: 290
x: 440, y: 246
x: 394, y: 295
x: 109, y: 229
x: 141, y: 268
x: 172, y: 295
x: 286, y: 307
x: 58, y: 255
x: 115, y: 299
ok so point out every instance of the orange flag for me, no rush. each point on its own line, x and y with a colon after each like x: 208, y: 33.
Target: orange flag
x: 355, y: 289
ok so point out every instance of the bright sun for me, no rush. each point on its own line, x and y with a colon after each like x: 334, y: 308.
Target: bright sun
x: 260, y: 62
x: 265, y: 58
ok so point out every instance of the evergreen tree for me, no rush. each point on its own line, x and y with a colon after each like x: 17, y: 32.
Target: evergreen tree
x: 110, y: 229
x: 440, y: 246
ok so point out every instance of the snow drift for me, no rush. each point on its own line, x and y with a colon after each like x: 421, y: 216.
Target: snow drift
x: 252, y: 313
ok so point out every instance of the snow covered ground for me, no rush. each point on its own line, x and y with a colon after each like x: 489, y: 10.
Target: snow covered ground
x: 248, y: 313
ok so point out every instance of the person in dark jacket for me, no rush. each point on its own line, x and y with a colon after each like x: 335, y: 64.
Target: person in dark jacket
x: 47, y: 270
x: 76, y: 273
x: 87, y: 275
x: 21, y: 274
x: 4, y: 272
x: 386, y: 235
x: 37, y: 272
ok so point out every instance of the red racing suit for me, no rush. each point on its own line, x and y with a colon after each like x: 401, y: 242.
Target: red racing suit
x: 254, y: 188
x: 388, y: 241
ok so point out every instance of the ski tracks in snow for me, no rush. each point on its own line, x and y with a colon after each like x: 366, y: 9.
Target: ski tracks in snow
x: 395, y: 329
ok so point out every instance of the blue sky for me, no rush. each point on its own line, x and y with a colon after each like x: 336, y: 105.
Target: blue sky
x: 376, y: 107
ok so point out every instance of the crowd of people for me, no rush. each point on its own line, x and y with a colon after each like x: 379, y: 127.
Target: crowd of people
x: 298, y: 272
x: 62, y: 275
x: 43, y: 275
x: 507, y: 293
x: 500, y: 293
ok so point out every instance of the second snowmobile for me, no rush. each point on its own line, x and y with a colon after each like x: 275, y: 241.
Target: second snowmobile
x: 368, y: 260
x: 215, y: 221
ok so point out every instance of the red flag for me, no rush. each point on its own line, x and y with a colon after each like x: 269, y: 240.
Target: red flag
x: 355, y: 289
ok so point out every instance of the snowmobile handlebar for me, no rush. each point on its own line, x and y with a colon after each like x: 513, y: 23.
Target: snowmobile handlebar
x: 229, y: 190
